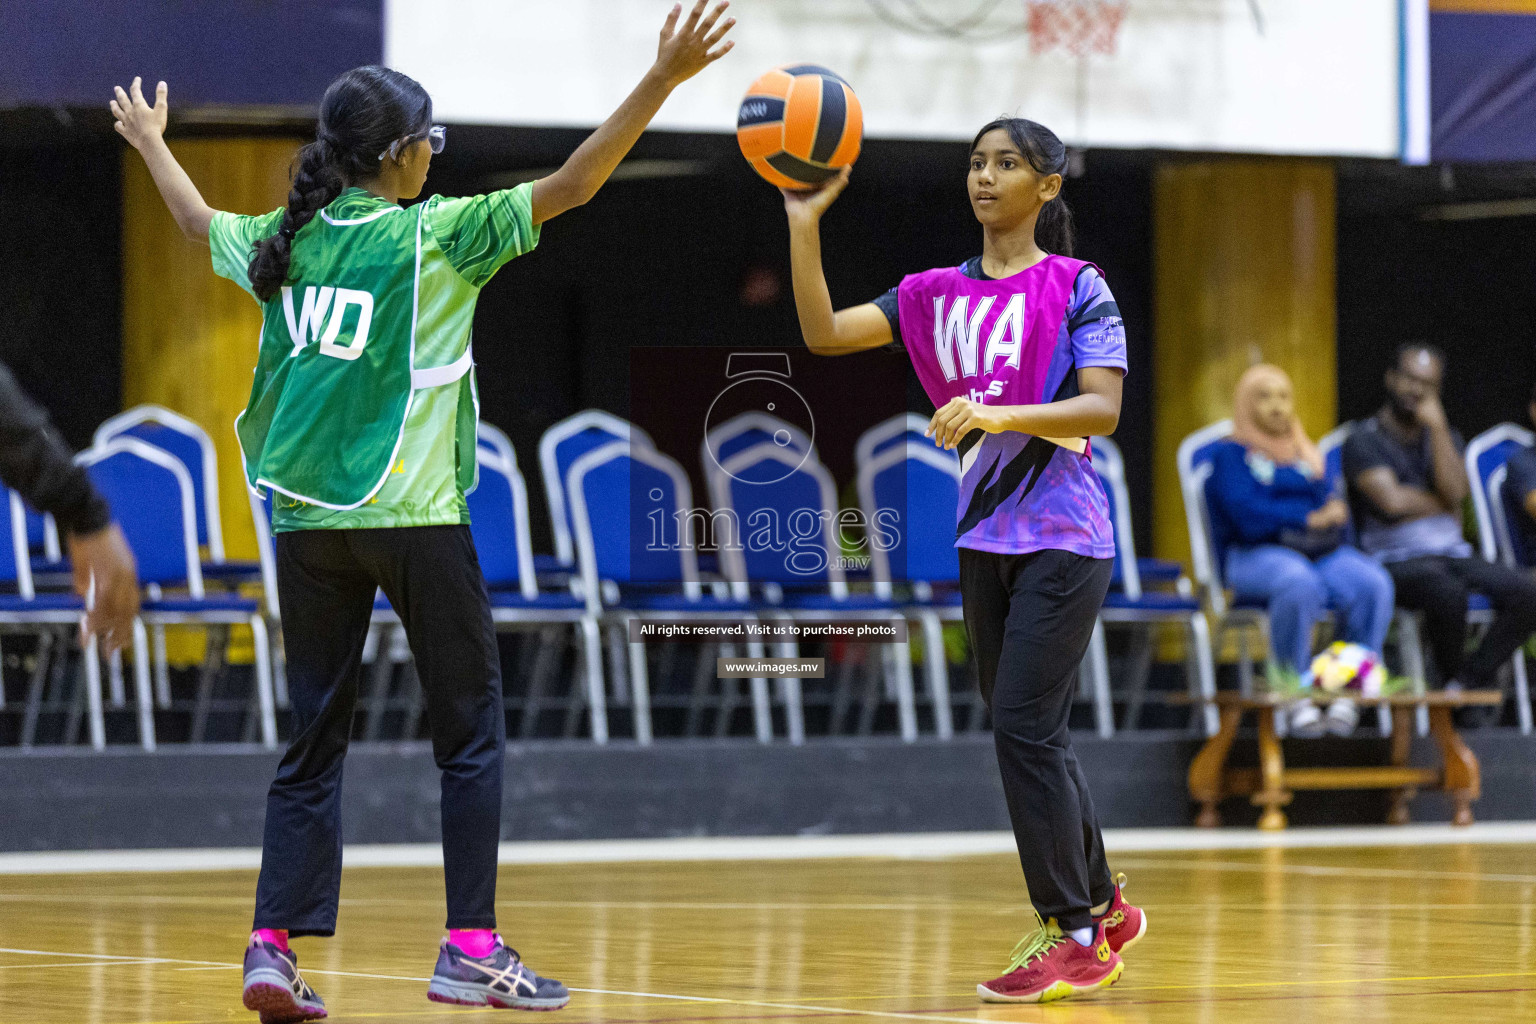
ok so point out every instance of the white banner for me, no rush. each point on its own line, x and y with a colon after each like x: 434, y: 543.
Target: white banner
x: 1249, y: 76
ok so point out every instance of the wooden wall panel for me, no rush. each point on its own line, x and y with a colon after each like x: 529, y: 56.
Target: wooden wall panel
x: 1244, y: 273
x: 190, y: 337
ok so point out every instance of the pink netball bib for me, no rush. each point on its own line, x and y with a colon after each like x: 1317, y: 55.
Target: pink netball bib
x: 1005, y: 342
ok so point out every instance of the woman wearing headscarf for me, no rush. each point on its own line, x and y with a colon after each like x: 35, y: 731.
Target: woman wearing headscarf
x: 1279, y: 528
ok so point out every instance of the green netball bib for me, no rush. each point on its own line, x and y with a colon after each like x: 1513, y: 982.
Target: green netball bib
x: 336, y: 373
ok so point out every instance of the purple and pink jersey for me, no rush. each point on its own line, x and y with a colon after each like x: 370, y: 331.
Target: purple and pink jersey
x: 1018, y: 340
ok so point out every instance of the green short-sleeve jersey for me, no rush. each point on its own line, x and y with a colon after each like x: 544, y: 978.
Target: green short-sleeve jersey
x: 461, y: 243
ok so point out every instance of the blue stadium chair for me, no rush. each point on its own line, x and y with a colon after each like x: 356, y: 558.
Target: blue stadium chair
x: 494, y: 439
x: 43, y: 542
x: 181, y: 437
x: 561, y: 445
x: 1487, y: 455
x: 906, y: 474
x: 1243, y: 617
x: 1486, y: 459
x: 1137, y: 573
x: 498, y: 513
x: 907, y: 426
x: 746, y: 430
x: 1129, y: 605
x: 52, y: 617
x: 153, y: 499
x: 791, y: 495
x: 630, y: 506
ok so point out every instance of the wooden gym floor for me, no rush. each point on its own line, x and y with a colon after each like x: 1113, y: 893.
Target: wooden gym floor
x: 1364, y: 935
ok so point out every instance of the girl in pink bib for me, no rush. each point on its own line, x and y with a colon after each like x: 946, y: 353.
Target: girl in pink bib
x: 1022, y: 351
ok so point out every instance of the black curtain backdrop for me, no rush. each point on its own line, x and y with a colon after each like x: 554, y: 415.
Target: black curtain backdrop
x: 61, y: 273
x: 1465, y: 285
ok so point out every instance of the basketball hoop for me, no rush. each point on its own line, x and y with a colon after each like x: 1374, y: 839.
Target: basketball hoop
x: 1079, y: 27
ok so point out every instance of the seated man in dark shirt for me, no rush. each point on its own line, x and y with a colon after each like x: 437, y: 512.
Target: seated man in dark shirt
x: 1520, y: 497
x: 1407, y: 485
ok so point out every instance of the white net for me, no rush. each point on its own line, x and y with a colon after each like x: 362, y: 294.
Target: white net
x: 1077, y: 26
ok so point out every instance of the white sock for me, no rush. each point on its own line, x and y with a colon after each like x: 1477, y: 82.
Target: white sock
x: 1082, y: 936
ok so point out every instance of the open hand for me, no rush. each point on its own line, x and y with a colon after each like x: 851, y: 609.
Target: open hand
x: 809, y: 204
x: 686, y: 51
x: 959, y: 417
x: 103, y: 557
x: 137, y: 121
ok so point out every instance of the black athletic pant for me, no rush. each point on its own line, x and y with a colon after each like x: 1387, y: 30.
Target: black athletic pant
x: 1029, y: 618
x: 325, y: 583
x: 1439, y: 588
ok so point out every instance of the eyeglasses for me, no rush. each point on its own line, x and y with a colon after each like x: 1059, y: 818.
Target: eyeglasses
x: 436, y: 136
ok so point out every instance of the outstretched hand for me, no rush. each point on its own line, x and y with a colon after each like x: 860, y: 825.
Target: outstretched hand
x: 686, y: 51
x: 137, y: 121
x: 810, y: 204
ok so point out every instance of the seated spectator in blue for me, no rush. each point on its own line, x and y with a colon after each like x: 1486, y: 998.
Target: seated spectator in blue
x: 1281, y: 530
x: 1407, y: 488
x: 1520, y: 497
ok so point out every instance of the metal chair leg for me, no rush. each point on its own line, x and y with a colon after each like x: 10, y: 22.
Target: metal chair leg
x: 141, y: 673
x: 762, y: 710
x: 618, y: 681
x: 265, y: 695
x: 115, y: 688
x: 217, y: 638
x: 597, y: 702
x: 703, y: 675
x: 1096, y: 665
x: 1205, y: 664
x: 906, y: 698
x: 378, y: 682
x: 1139, y: 671
x: 1412, y: 649
x: 640, y: 688
x: 94, y: 713
x: 791, y: 696
x: 279, y: 664
x: 938, y: 675
x: 162, y: 669
x: 1522, y: 693
x: 35, y: 687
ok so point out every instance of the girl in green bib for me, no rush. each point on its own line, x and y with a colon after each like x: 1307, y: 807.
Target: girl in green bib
x: 361, y: 422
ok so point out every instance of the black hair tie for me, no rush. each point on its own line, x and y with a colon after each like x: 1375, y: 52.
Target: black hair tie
x: 286, y: 232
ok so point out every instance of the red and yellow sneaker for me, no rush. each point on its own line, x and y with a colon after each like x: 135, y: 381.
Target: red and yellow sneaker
x: 1124, y: 925
x: 1048, y: 965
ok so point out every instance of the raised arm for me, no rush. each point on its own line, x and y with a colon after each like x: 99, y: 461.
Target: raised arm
x: 826, y: 332
x: 683, y: 53
x: 1449, y: 474
x: 144, y: 128
x: 1095, y: 411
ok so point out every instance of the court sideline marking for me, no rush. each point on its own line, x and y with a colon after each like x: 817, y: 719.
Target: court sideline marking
x: 109, y: 960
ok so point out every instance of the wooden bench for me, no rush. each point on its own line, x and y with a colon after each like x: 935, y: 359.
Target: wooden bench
x: 1271, y: 784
